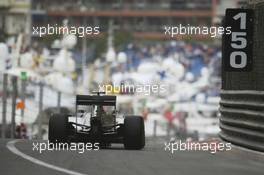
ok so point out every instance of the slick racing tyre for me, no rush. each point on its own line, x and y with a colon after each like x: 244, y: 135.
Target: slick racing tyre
x: 58, y: 128
x: 134, y: 132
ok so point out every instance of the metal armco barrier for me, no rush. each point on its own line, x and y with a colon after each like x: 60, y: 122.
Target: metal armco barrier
x: 242, y: 95
x: 242, y: 118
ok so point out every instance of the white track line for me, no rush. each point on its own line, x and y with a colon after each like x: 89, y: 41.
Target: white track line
x: 11, y: 146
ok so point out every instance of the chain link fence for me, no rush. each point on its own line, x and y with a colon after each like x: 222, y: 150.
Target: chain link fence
x: 26, y: 103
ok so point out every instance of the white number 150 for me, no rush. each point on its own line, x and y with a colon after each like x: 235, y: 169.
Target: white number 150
x: 239, y: 41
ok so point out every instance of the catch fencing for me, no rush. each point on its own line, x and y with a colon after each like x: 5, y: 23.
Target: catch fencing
x: 24, y: 100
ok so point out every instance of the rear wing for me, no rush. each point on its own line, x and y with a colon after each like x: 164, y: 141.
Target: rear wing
x: 107, y: 100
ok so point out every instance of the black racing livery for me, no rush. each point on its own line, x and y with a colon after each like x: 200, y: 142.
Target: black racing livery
x: 102, y: 128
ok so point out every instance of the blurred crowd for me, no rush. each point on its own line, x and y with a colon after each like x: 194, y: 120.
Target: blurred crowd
x: 192, y: 56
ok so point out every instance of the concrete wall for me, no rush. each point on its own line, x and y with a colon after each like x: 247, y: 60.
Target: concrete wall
x: 242, y: 95
x: 253, y: 80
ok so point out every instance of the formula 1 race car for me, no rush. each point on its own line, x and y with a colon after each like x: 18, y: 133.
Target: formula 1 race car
x: 102, y: 126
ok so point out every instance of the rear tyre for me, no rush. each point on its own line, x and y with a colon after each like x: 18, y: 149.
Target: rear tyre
x: 134, y: 132
x: 58, y: 128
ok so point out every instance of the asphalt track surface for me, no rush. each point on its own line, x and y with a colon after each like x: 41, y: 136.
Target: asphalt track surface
x: 17, y: 157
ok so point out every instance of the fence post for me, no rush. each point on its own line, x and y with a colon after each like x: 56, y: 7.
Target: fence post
x: 40, y: 110
x: 23, y: 97
x: 4, y: 97
x: 168, y: 128
x: 155, y: 128
x: 59, y: 102
x: 14, y: 97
